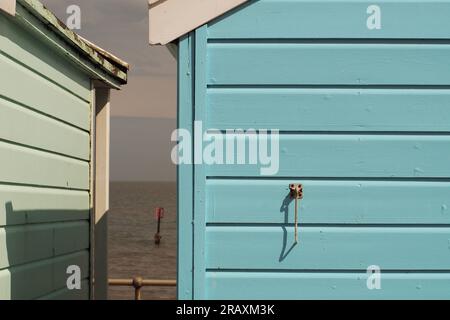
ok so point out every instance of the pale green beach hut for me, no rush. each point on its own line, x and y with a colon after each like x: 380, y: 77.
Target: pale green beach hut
x: 54, y: 156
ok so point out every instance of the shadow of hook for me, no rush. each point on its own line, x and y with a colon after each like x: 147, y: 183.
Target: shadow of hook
x: 285, y: 209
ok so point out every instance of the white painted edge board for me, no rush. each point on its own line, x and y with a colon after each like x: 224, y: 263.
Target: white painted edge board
x: 171, y: 19
x: 8, y: 6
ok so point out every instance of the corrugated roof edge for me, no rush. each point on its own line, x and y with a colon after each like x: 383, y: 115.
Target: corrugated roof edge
x: 112, y: 65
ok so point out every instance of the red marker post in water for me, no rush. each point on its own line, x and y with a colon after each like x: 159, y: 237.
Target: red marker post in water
x: 159, y: 214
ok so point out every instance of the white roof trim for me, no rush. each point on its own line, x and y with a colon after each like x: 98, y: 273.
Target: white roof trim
x: 170, y: 19
x: 9, y: 6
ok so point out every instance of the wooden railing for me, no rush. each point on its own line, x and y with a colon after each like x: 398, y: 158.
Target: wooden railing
x: 138, y: 283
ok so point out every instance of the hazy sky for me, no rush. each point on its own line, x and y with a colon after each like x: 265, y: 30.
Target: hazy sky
x: 140, y: 143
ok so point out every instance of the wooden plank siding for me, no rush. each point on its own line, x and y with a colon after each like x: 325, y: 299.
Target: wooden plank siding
x: 27, y: 127
x: 325, y: 64
x: 47, y: 276
x: 324, y: 285
x: 185, y: 173
x: 66, y: 294
x: 353, y: 155
x: 327, y: 109
x: 333, y: 19
x: 45, y: 159
x: 327, y: 247
x: 19, y: 44
x: 364, y: 126
x: 350, y: 202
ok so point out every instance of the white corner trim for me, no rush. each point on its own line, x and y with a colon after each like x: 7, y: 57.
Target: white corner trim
x: 9, y: 6
x: 170, y: 19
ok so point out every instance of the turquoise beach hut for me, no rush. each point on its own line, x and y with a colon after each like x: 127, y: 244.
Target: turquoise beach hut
x: 54, y: 156
x: 359, y: 92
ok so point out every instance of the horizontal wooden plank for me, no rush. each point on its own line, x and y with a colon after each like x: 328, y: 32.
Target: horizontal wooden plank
x: 20, y: 43
x: 322, y: 248
x: 328, y: 64
x: 66, y: 294
x: 28, y: 205
x: 328, y: 202
x: 42, y: 278
x: 24, y: 126
x: 344, y: 155
x: 329, y: 109
x: 334, y: 19
x: 292, y: 286
x: 38, y: 93
x: 25, y: 244
x: 27, y: 166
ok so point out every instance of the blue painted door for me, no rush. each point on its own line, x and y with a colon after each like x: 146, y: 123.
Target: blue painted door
x: 360, y: 93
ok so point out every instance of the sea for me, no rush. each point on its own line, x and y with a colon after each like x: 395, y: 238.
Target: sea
x: 132, y: 226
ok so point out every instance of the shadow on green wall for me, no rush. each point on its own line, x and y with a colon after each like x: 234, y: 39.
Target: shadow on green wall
x: 36, y: 249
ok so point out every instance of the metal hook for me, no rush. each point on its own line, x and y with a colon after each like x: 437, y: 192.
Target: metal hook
x: 296, y: 191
